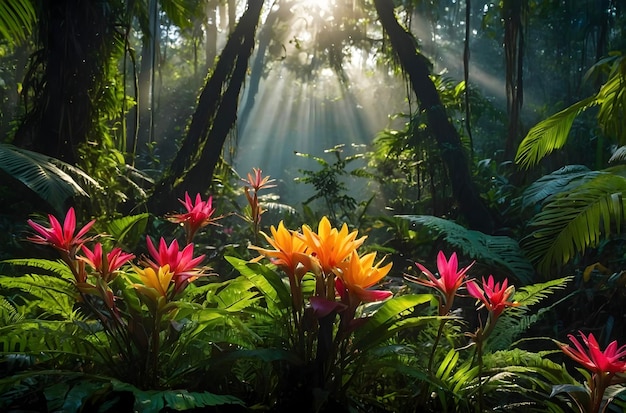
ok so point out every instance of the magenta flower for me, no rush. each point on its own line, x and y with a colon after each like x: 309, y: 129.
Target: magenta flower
x: 181, y: 263
x: 59, y: 236
x: 611, y: 360
x: 451, y: 278
x: 199, y: 214
x: 493, y: 295
x: 105, y: 265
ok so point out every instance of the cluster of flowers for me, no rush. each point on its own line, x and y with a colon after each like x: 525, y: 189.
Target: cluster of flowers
x: 330, y: 254
x: 166, y: 273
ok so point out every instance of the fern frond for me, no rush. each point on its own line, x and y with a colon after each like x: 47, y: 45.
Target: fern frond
x: 57, y: 267
x: 575, y: 221
x: 533, y: 294
x: 498, y: 251
x: 550, y: 133
x: 9, y: 313
x: 51, y: 295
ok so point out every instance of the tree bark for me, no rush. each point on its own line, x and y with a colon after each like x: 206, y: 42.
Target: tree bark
x: 63, y: 78
x: 512, y: 14
x: 471, y: 205
x: 192, y: 168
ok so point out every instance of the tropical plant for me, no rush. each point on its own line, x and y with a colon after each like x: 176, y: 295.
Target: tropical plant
x: 331, y: 186
x: 54, y: 181
x: 500, y: 253
x: 101, y: 328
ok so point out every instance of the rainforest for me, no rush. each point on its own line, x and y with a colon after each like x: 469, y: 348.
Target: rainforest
x: 313, y: 206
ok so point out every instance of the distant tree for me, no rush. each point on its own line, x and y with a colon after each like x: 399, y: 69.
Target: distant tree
x: 453, y: 154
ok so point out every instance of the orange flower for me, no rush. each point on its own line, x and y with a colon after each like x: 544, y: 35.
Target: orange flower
x: 289, y: 253
x: 154, y: 283
x: 359, y: 273
x: 258, y: 181
x: 329, y: 245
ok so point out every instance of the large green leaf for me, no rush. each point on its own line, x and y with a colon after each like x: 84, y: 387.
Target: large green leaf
x: 550, y: 134
x: 498, y: 251
x: 561, y: 180
x: 574, y: 221
x: 17, y: 18
x: 393, y: 316
x: 128, y: 230
x: 51, y: 179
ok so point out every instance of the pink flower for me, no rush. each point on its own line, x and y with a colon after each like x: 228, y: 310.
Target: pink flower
x: 61, y: 237
x: 451, y: 278
x: 493, y: 295
x: 198, y: 215
x: 181, y: 263
x: 611, y: 360
x: 105, y: 265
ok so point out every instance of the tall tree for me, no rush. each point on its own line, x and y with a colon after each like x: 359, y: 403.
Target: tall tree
x: 513, y: 12
x: 192, y: 168
x: 66, y: 78
x: 417, y: 67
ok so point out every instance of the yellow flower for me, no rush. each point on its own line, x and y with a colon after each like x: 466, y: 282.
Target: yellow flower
x: 329, y: 245
x: 360, y: 273
x: 289, y: 252
x: 153, y: 281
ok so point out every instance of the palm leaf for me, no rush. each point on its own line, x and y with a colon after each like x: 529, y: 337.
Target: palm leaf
x: 556, y: 182
x: 17, y: 18
x: 612, y: 98
x: 498, y: 251
x: 576, y: 220
x: 51, y: 179
x: 550, y: 133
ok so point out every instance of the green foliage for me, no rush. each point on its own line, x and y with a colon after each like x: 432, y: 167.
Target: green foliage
x: 17, y: 18
x: 518, y: 320
x: 52, y: 180
x: 575, y: 220
x: 331, y: 188
x: 552, y: 133
x: 501, y: 252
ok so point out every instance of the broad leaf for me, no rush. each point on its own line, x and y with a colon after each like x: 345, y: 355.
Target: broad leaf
x: 576, y: 220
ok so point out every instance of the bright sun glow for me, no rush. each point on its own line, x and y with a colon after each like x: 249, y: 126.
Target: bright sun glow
x: 325, y: 6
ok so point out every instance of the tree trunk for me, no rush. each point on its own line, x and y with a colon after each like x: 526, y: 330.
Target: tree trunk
x: 192, y: 168
x: 75, y: 40
x: 470, y: 203
x: 512, y: 13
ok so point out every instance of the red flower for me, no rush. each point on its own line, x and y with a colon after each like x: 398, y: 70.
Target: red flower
x: 105, y: 265
x: 181, y: 263
x: 61, y: 237
x: 493, y: 295
x: 449, y: 281
x: 198, y: 215
x: 595, y: 360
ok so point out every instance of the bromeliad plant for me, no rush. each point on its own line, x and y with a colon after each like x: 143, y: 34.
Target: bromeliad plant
x: 322, y: 301
x: 137, y: 322
x: 605, y: 373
